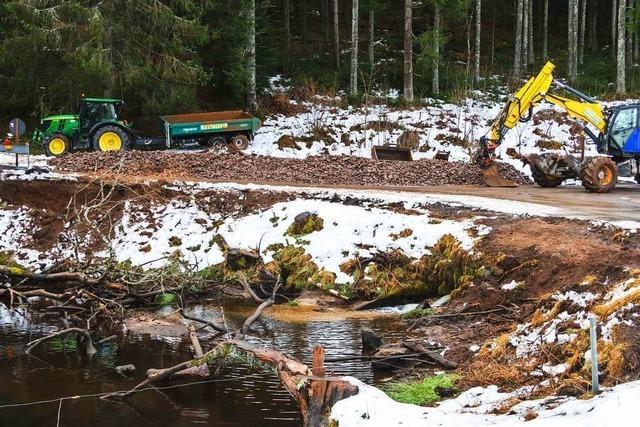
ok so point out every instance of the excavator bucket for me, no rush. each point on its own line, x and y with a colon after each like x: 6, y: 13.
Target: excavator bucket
x: 391, y: 153
x: 492, y: 177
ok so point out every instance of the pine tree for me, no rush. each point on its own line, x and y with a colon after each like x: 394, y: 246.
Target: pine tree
x: 621, y: 49
x: 517, y: 60
x: 476, y: 59
x: 336, y: 33
x: 353, y: 75
x: 435, y: 77
x: 408, y: 50
x: 545, y: 30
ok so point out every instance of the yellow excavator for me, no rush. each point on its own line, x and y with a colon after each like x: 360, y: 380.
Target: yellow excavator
x: 616, y: 136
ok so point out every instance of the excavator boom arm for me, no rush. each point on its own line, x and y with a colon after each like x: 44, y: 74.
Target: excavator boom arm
x: 519, y: 108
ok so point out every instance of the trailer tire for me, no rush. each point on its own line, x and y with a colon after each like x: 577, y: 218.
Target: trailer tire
x: 111, y: 138
x: 239, y: 142
x: 214, y: 141
x: 543, y: 180
x: 56, y: 145
x: 599, y: 175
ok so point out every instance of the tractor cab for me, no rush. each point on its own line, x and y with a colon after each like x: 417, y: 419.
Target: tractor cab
x: 96, y: 126
x: 623, y: 132
x: 94, y: 111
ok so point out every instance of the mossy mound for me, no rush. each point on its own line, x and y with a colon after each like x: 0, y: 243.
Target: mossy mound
x: 305, y: 223
x: 297, y: 270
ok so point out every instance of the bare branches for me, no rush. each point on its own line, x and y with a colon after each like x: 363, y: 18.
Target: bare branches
x: 88, y: 343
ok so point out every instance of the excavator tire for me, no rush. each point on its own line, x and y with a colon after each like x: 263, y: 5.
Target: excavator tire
x: 543, y: 180
x: 599, y: 175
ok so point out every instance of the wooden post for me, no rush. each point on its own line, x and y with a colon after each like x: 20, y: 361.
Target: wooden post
x: 595, y: 387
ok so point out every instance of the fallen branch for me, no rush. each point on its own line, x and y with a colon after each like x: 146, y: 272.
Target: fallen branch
x: 89, y: 348
x: 431, y: 355
x: 197, y: 348
x: 67, y: 276
x: 203, y: 321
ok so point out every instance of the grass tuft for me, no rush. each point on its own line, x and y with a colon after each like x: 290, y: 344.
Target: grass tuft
x: 428, y: 390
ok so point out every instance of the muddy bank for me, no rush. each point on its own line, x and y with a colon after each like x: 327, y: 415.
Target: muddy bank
x: 345, y: 170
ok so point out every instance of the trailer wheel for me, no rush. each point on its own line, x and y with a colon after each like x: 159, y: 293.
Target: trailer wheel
x: 599, y: 175
x: 56, y: 145
x: 110, y: 138
x: 239, y: 142
x: 214, y: 142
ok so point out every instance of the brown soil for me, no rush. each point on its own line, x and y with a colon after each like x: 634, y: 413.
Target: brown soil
x: 314, y: 170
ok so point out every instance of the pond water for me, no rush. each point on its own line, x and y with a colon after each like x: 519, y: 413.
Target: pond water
x: 237, y: 397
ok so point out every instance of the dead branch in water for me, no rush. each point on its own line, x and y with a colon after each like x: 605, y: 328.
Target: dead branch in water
x: 88, y: 343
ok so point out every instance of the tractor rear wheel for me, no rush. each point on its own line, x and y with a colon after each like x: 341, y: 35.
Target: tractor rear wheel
x: 543, y: 180
x: 599, y: 175
x: 56, y: 145
x: 239, y: 142
x: 111, y: 138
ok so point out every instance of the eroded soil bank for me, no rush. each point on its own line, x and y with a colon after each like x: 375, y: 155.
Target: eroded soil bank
x: 520, y: 288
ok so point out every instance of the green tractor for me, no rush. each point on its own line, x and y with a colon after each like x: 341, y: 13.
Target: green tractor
x: 97, y: 126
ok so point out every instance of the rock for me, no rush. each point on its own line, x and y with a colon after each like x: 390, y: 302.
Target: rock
x: 287, y: 141
x: 409, y: 139
x: 371, y: 341
x: 125, y: 370
x: 345, y: 140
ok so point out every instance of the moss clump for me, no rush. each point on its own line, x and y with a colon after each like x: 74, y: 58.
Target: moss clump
x: 175, y: 241
x: 449, y: 267
x: 305, y: 223
x: 421, y: 392
x: 297, y: 269
x: 417, y: 313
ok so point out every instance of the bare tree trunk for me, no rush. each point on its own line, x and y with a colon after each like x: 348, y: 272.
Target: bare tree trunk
x: 636, y: 48
x: 408, y: 50
x: 525, y: 34
x: 476, y: 62
x: 252, y: 102
x: 324, y: 11
x: 304, y: 24
x: 614, y: 27
x: 593, y: 26
x: 620, y: 58
x: 628, y: 36
x: 287, y: 24
x: 583, y: 24
x: 573, y: 40
x: 545, y: 30
x: 493, y: 35
x: 336, y: 34
x: 517, y: 60
x: 372, y: 40
x: 435, y: 79
x: 531, y: 54
x: 353, y: 80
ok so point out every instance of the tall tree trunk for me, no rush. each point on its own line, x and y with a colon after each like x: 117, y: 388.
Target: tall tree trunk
x: 583, y: 25
x: 634, y: 25
x: 435, y: 78
x: 628, y: 35
x: 372, y: 40
x: 620, y: 57
x: 476, y: 59
x: 545, y: 30
x: 573, y: 40
x: 517, y: 60
x: 304, y: 25
x: 531, y: 54
x: 593, y: 25
x: 287, y: 24
x: 525, y: 34
x: 493, y: 35
x: 336, y: 34
x: 353, y: 80
x: 408, y: 50
x: 324, y: 11
x: 252, y: 102
x: 614, y: 27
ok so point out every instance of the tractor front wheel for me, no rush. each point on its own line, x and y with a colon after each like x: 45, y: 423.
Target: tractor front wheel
x: 56, y: 145
x: 599, y: 175
x: 110, y: 138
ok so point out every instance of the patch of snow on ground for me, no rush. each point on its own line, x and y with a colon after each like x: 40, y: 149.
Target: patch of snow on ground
x: 14, y: 226
x: 348, y: 231
x: 371, y: 407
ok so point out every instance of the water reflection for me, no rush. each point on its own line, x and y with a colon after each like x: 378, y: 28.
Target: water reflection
x: 241, y: 398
